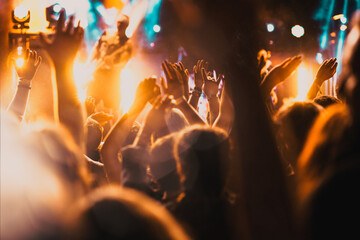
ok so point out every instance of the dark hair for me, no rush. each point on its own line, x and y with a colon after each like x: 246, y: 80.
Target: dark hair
x: 326, y: 100
x: 119, y: 213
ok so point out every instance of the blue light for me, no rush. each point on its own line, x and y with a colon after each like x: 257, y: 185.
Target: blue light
x: 270, y: 27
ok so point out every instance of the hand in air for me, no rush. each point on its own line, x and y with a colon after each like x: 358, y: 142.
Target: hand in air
x: 67, y: 40
x: 184, y: 73
x: 282, y: 71
x: 326, y: 70
x: 174, y: 81
x: 211, y: 85
x: 31, y: 64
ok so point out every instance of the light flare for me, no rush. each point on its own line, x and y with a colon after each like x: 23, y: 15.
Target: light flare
x: 82, y: 76
x: 21, y: 12
x: 130, y: 79
x: 304, y: 81
x: 136, y: 15
x: 20, y: 62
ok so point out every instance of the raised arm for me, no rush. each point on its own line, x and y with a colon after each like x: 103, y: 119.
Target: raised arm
x: 62, y: 50
x: 279, y: 74
x: 25, y: 75
x: 325, y: 72
x: 211, y: 89
x: 225, y: 119
x: 117, y: 135
x: 199, y: 81
x: 174, y: 87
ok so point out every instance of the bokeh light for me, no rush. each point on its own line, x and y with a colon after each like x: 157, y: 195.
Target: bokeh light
x: 21, y: 12
x: 270, y: 27
x: 298, y: 31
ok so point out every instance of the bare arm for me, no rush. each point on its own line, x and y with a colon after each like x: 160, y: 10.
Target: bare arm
x: 63, y: 50
x: 117, y: 135
x: 175, y: 88
x: 211, y: 89
x: 25, y: 73
x: 199, y: 81
x: 326, y: 71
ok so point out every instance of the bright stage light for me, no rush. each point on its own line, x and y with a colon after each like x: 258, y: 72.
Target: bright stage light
x: 319, y: 58
x: 270, y: 27
x: 338, y: 16
x: 298, y: 31
x: 343, y: 27
x: 343, y: 20
x: 57, y: 8
x: 304, y: 81
x: 21, y: 12
x: 20, y: 62
x: 156, y: 28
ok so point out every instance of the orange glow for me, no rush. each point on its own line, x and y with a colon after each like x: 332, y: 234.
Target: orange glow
x: 130, y: 79
x: 337, y: 17
x: 304, y: 81
x: 20, y: 62
x: 82, y: 75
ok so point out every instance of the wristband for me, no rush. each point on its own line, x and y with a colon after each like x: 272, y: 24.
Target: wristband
x: 197, y: 90
x: 179, y: 100
x: 211, y: 97
x: 24, y: 83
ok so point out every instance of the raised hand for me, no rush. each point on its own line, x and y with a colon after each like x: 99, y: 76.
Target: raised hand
x: 199, y: 79
x: 90, y: 105
x: 326, y: 70
x: 67, y: 40
x: 280, y: 73
x: 211, y: 85
x: 146, y: 91
x: 31, y: 64
x: 184, y: 73
x: 175, y: 85
x: 101, y: 117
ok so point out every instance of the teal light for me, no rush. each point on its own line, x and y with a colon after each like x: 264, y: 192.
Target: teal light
x: 152, y: 19
x: 324, y: 15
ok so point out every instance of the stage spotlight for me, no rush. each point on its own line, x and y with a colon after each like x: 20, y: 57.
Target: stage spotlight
x: 270, y: 27
x: 298, y: 31
x: 343, y: 20
x: 319, y: 58
x: 21, y: 17
x: 156, y: 28
x: 19, y: 62
x: 343, y: 27
x: 52, y: 14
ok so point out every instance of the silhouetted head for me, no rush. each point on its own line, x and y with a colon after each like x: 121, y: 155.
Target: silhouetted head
x: 294, y: 121
x: 119, y: 213
x: 326, y: 100
x: 202, y: 155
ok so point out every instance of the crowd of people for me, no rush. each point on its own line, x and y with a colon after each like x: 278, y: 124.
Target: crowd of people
x: 92, y: 175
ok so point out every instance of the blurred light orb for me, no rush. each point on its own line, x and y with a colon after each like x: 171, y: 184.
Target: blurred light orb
x: 319, y: 58
x: 20, y: 62
x: 343, y: 27
x: 156, y: 28
x: 57, y: 8
x: 270, y: 27
x: 343, y: 20
x: 21, y: 12
x: 298, y: 31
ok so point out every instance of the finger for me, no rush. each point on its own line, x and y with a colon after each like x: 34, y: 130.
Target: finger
x: 27, y: 55
x: 181, y: 66
x: 285, y: 62
x: 61, y: 22
x: 70, y: 26
x: 195, y: 69
x: 39, y: 59
x: 166, y: 71
x: 203, y: 74
x: 163, y: 84
x: 77, y: 28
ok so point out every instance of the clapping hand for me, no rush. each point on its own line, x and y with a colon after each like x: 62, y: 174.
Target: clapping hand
x: 175, y: 85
